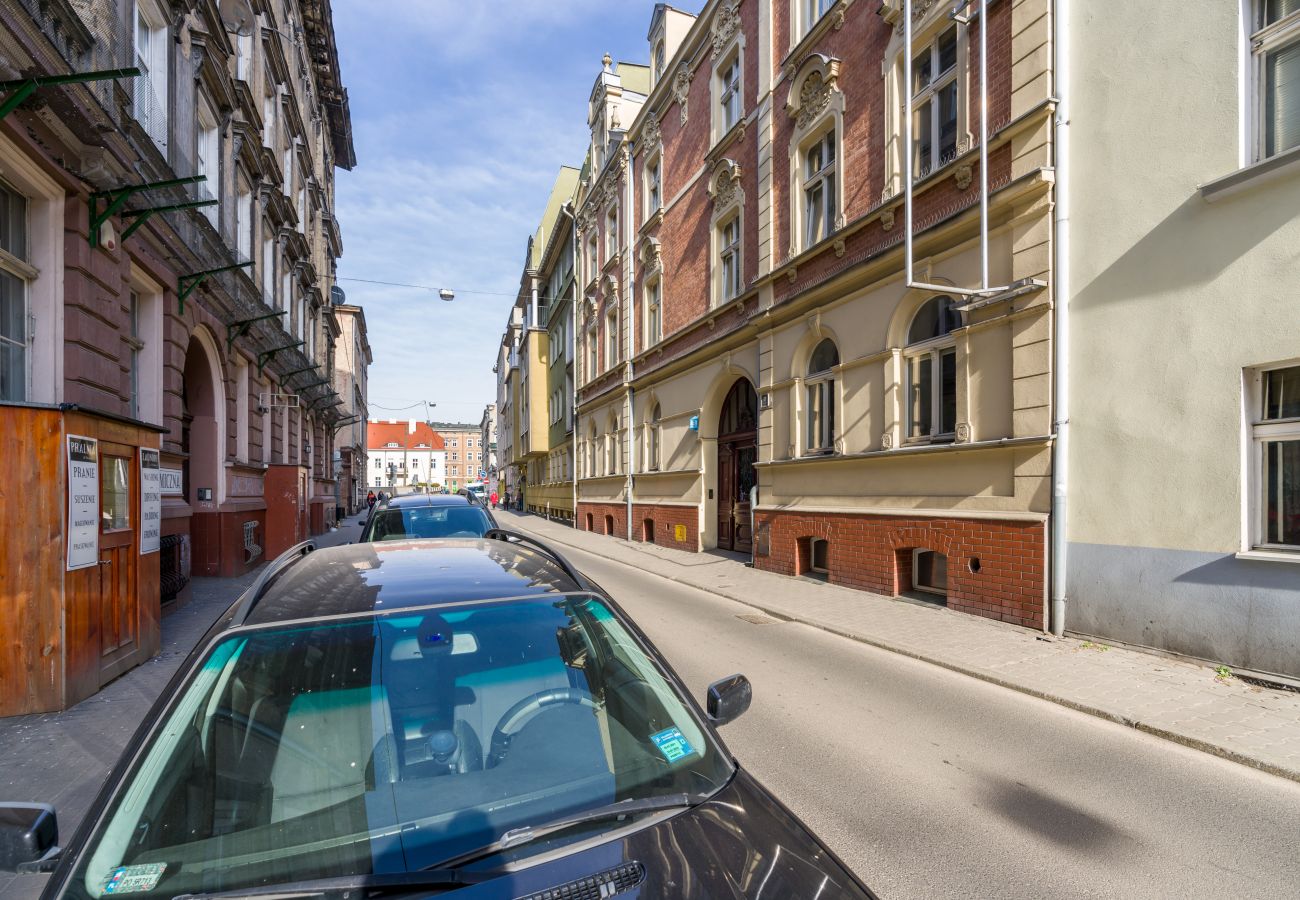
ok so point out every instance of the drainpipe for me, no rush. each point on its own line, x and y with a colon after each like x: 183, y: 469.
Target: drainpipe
x: 573, y: 338
x: 1061, y: 294
x: 629, y: 233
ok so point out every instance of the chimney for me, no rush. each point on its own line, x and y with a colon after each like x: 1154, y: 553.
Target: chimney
x: 411, y: 427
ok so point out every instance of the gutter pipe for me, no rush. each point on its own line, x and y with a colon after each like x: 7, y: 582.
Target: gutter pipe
x: 1061, y: 317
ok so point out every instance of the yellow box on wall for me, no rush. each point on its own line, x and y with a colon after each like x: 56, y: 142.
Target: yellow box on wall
x: 679, y: 532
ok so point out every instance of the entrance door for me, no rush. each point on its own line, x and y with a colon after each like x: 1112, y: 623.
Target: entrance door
x: 119, y: 608
x: 737, y: 453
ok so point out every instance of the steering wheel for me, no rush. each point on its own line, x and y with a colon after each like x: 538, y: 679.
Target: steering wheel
x: 519, y: 715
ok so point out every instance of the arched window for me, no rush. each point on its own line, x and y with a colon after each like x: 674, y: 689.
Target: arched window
x: 820, y: 391
x: 652, y: 439
x: 932, y: 371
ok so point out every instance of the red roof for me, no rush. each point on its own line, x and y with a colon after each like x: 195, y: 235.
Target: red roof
x: 380, y: 434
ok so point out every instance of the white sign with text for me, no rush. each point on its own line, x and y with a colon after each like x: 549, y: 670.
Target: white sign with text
x: 171, y: 482
x: 83, y: 502
x: 150, y: 501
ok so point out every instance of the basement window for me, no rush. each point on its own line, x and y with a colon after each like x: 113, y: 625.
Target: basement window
x: 930, y: 572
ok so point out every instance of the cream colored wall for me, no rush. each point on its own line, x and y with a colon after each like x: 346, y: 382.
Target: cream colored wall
x: 1172, y: 296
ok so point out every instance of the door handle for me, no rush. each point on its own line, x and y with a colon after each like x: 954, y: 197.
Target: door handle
x: 105, y: 562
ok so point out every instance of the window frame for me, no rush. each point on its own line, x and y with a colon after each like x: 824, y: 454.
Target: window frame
x: 933, y: 350
x: 154, y: 65
x: 731, y: 106
x: 1263, y: 39
x: 825, y: 179
x: 654, y: 437
x: 730, y: 274
x: 207, y: 155
x: 654, y: 196
x: 653, y: 333
x: 929, y: 95
x: 1260, y: 432
x: 611, y: 337
x: 820, y: 418
x: 24, y: 273
x: 611, y: 234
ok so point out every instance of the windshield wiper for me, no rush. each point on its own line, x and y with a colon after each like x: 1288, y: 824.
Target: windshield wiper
x: 341, y: 888
x: 517, y: 837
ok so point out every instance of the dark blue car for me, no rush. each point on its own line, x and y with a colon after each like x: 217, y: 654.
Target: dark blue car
x: 471, y: 717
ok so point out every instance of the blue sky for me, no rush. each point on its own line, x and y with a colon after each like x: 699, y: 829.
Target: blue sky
x: 462, y: 114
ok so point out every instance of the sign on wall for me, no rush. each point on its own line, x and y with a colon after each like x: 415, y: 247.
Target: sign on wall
x: 171, y: 482
x: 150, y: 501
x: 83, y: 502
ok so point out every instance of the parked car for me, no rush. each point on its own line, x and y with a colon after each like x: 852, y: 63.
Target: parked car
x: 427, y: 717
x: 427, y: 516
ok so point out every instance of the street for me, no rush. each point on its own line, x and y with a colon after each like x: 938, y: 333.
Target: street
x: 928, y: 783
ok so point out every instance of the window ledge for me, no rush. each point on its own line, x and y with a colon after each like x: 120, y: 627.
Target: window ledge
x: 1282, y: 556
x: 1283, y: 165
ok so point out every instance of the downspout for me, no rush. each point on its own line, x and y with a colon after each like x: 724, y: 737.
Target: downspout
x: 573, y: 339
x: 1061, y: 318
x: 628, y: 302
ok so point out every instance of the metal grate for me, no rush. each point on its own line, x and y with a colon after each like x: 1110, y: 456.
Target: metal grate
x: 609, y: 883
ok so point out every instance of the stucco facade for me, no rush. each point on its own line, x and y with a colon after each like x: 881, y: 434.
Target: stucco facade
x: 1183, y: 266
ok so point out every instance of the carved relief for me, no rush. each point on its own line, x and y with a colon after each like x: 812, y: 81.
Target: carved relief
x: 682, y: 87
x: 793, y: 274
x: 651, y: 255
x: 962, y: 177
x: 963, y: 433
x: 839, y: 248
x: 725, y: 25
x: 725, y: 184
x: 813, y: 98
x: 650, y: 133
x: 887, y: 219
x: 887, y: 440
x: 815, y: 90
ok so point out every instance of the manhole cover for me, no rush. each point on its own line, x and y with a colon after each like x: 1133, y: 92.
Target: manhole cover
x: 759, y: 619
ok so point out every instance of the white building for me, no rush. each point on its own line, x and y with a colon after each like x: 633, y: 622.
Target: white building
x: 403, y: 455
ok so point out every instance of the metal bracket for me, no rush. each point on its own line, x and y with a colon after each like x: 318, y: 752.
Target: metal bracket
x: 117, y: 198
x: 143, y: 215
x: 314, y: 384
x: 186, y: 284
x: 267, y: 355
x: 236, y: 330
x: 288, y: 375
x: 22, y: 88
x: 346, y: 422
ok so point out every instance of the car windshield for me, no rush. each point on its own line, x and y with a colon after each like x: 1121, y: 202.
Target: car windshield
x: 426, y: 522
x: 391, y: 743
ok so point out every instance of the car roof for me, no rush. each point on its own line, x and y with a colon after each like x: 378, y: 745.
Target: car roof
x: 409, y: 500
x: 380, y: 577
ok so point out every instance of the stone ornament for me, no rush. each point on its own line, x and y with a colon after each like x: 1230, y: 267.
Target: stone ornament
x: 963, y: 433
x: 651, y: 136
x: 813, y: 98
x: 887, y: 440
x: 839, y: 248
x: 682, y: 87
x: 725, y: 25
x: 887, y: 219
x: 815, y: 91
x: 962, y: 177
x: 725, y: 184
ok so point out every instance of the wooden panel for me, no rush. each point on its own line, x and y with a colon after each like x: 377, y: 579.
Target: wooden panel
x: 31, y: 559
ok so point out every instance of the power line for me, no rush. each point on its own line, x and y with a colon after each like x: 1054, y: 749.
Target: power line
x: 425, y: 287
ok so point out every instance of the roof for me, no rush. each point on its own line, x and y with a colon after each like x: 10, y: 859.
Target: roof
x: 362, y: 578
x: 380, y: 434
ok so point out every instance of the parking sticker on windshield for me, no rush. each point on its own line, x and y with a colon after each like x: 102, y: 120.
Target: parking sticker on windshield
x: 672, y: 744
x: 134, y: 879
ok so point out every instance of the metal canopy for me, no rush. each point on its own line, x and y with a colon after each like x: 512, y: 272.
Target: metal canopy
x: 236, y: 330
x: 143, y: 215
x: 298, y: 372
x: 117, y: 198
x: 22, y: 88
x: 186, y: 284
x: 268, y: 355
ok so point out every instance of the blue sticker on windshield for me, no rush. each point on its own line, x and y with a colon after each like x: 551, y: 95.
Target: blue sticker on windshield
x: 134, y: 879
x: 672, y: 744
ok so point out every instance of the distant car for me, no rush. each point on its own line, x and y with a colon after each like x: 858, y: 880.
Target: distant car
x: 429, y: 717
x: 427, y: 516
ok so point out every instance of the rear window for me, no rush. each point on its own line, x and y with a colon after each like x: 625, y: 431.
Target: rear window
x: 427, y: 522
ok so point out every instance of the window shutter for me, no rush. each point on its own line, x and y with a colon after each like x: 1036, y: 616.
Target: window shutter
x: 1282, y: 107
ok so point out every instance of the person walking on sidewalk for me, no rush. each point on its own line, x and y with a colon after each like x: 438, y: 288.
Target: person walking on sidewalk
x: 370, y: 500
x: 494, y: 498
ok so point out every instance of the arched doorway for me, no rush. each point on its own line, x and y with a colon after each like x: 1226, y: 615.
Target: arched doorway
x: 203, y: 440
x: 737, y: 453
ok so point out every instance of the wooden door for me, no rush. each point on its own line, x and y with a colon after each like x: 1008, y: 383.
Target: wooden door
x: 726, y: 496
x: 119, y: 607
x: 746, y: 478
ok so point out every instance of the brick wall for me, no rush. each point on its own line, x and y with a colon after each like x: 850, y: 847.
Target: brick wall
x: 663, y: 523
x: 603, y: 518
x: 996, y: 569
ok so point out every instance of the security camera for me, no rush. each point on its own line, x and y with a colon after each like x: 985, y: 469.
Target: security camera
x: 263, y: 410
x: 107, y: 236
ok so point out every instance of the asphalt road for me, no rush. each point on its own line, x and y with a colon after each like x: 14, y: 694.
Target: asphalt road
x: 931, y: 784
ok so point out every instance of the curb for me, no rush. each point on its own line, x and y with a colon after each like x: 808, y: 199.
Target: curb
x: 1089, y: 709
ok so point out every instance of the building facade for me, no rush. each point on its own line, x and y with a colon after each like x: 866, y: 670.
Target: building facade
x: 168, y: 248
x: 404, y: 456
x: 352, y: 360
x: 487, y: 432
x: 506, y: 370
x: 464, y: 445
x: 757, y: 372
x: 1184, y: 448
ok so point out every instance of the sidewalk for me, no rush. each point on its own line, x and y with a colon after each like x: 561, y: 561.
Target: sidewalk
x: 62, y: 758
x: 1174, y: 699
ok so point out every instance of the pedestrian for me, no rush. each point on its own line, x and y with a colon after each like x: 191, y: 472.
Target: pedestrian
x: 494, y: 498
x: 370, y: 500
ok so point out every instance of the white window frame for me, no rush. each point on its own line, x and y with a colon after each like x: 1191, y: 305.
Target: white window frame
x: 207, y: 156
x: 654, y: 438
x: 611, y: 234
x: 730, y: 274
x: 934, y: 350
x: 611, y: 337
x: 1260, y: 432
x: 821, y: 401
x: 19, y: 270
x: 152, y: 57
x: 820, y: 224
x: 242, y: 450
x: 654, y: 311
x: 654, y: 187
x: 147, y: 347
x: 658, y: 59
x: 928, y: 96
x: 730, y: 93
x: 1263, y: 41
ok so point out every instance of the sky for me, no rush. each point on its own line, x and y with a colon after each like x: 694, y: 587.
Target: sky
x: 462, y: 114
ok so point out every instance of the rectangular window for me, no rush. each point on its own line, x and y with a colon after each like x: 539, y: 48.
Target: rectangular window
x: 115, y: 493
x: 241, y: 410
x: 932, y: 401
x: 819, y: 190
x: 134, y: 346
x: 268, y: 267
x: 611, y: 338
x: 1276, y: 435
x: 208, y: 156
x: 593, y: 365
x: 821, y: 415
x: 15, y: 274
x: 729, y: 94
x: 813, y: 10
x: 611, y: 234
x: 729, y: 258
x: 934, y: 105
x: 244, y: 221
x: 654, y: 186
x: 653, y: 320
x: 149, y: 88
x: 1275, y: 46
x: 593, y: 264
x: 930, y: 571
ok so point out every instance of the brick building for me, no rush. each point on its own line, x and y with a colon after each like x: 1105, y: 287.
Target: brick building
x: 756, y: 372
x: 166, y: 253
x: 465, y: 453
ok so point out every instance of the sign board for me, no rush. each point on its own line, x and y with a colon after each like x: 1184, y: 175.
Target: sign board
x: 150, y: 501
x: 83, y: 502
x: 171, y: 482
x: 695, y: 423
x: 679, y: 533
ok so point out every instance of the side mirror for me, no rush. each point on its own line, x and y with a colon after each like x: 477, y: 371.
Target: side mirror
x: 728, y: 698
x: 29, y: 837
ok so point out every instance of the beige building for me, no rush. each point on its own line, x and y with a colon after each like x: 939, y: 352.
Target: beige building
x: 352, y: 358
x: 757, y: 371
x: 1184, y: 452
x: 465, y: 453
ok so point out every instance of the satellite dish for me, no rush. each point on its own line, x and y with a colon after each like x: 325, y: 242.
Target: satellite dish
x: 237, y: 16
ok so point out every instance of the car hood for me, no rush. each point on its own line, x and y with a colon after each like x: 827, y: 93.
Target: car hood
x: 739, y: 845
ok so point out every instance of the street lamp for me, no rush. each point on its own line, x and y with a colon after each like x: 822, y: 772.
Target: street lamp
x: 447, y: 294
